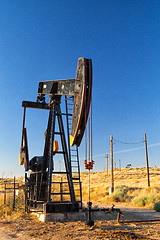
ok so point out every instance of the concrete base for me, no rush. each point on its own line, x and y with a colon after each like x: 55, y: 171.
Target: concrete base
x: 60, y: 217
x: 74, y: 216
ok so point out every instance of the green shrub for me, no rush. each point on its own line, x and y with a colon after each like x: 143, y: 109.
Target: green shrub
x: 157, y: 207
x: 7, y: 210
x: 145, y: 199
x: 139, y: 201
x: 120, y: 193
x: 1, y: 210
x: 18, y: 202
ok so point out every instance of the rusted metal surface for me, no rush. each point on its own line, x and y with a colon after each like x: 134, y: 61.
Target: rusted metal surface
x: 24, y: 154
x: 36, y: 105
x: 82, y: 99
x: 57, y: 87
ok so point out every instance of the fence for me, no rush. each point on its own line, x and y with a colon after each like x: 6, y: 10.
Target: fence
x: 11, y: 191
x: 15, y: 193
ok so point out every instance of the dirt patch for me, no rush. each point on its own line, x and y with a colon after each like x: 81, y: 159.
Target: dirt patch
x: 22, y: 229
x: 105, y: 227
x: 121, y: 235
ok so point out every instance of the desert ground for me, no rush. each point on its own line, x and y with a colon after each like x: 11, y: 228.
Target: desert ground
x: 136, y: 193
x: 105, y: 227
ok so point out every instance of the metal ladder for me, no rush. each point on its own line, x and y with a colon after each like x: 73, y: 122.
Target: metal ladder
x: 73, y: 153
x: 65, y: 154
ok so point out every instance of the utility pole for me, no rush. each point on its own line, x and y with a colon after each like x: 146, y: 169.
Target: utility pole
x: 112, y: 176
x: 107, y: 156
x: 14, y: 194
x: 145, y: 140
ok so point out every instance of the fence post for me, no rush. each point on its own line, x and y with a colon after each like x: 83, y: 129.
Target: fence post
x: 26, y: 190
x: 14, y: 194
x: 5, y: 194
x: 61, y: 189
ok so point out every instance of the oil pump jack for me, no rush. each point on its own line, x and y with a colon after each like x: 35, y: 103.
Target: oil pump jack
x: 39, y: 170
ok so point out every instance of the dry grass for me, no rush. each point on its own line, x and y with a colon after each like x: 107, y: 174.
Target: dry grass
x: 6, y: 210
x: 130, y: 189
x: 133, y: 180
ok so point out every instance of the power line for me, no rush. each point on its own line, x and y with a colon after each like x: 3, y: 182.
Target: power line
x: 128, y: 142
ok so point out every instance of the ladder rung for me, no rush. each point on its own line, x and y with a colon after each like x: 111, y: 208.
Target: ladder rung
x: 74, y: 178
x: 70, y: 99
x: 59, y: 152
x: 58, y: 133
x: 59, y: 172
x: 69, y: 114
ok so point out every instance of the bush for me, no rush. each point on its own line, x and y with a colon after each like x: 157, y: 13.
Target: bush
x: 18, y: 203
x: 120, y: 193
x: 2, y: 210
x: 146, y: 199
x: 7, y: 210
x: 157, y: 207
x: 139, y: 201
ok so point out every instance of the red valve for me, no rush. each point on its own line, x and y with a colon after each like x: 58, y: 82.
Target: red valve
x: 88, y: 165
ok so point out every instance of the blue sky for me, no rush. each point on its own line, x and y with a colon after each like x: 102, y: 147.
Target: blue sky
x: 42, y: 40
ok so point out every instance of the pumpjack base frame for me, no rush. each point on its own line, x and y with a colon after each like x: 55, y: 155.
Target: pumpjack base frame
x: 53, y: 207
x: 60, y: 207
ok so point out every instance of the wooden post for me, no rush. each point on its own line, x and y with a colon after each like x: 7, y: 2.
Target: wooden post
x: 14, y: 195
x: 112, y: 176
x: 145, y: 140
x: 26, y: 193
x: 61, y: 189
x: 5, y: 194
x: 107, y: 155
